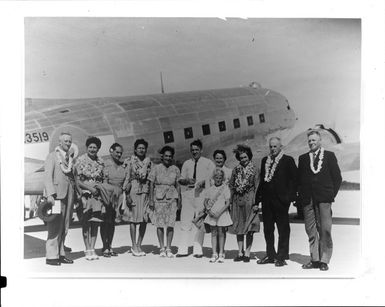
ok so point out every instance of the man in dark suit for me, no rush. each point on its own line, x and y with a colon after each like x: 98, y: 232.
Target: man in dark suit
x: 59, y: 186
x: 319, y: 182
x: 277, y: 189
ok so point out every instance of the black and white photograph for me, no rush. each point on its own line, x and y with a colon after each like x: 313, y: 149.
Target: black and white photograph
x: 129, y: 122
x: 218, y: 149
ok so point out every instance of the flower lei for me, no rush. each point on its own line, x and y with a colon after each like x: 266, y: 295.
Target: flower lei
x: 269, y: 172
x: 319, y: 166
x: 61, y: 156
x: 91, y: 170
x: 140, y: 168
x: 243, y: 178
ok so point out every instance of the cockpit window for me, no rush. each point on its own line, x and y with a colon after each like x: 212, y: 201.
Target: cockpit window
x: 250, y: 120
x: 222, y: 126
x: 188, y: 133
x: 168, y: 137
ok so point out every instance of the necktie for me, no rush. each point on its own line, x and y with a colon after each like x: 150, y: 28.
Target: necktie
x: 195, y: 170
x: 315, y: 159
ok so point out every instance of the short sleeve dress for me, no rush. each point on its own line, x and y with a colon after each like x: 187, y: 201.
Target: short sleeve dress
x: 221, y: 194
x: 243, y: 184
x: 90, y: 172
x: 165, y: 194
x: 115, y: 175
x: 140, y: 186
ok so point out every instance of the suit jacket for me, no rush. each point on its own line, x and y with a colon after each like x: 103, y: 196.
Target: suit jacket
x: 55, y: 181
x: 321, y: 187
x: 283, y: 184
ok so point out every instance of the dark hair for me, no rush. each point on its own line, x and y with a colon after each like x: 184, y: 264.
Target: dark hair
x: 167, y: 148
x: 140, y: 141
x: 197, y: 142
x: 220, y: 151
x: 243, y: 149
x: 113, y: 146
x: 94, y: 140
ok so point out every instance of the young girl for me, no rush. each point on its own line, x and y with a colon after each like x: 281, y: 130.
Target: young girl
x: 217, y: 203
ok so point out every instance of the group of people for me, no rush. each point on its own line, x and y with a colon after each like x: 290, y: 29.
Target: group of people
x: 211, y: 198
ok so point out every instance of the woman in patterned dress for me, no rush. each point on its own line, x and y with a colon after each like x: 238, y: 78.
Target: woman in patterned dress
x: 89, y: 171
x: 137, y: 190
x: 243, y: 184
x: 114, y: 174
x: 165, y: 198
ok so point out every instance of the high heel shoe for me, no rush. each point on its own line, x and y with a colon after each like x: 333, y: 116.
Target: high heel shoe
x: 87, y: 254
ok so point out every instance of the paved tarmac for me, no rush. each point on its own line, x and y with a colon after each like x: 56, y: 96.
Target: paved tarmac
x: 345, y: 262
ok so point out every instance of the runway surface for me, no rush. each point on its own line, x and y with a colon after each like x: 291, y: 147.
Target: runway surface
x: 345, y: 262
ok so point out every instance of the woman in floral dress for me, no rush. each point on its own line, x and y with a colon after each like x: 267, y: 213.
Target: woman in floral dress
x: 114, y: 175
x: 165, y: 198
x: 89, y: 171
x: 243, y: 184
x: 137, y: 191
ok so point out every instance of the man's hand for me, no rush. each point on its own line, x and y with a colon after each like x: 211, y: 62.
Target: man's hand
x: 151, y: 204
x: 255, y: 208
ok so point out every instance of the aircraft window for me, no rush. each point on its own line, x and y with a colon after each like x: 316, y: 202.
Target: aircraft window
x: 222, y: 126
x: 188, y: 133
x: 168, y: 137
x: 250, y: 120
x: 262, y: 118
x: 206, y: 129
x: 236, y: 123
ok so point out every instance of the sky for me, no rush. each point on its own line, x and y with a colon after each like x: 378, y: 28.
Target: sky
x: 315, y: 63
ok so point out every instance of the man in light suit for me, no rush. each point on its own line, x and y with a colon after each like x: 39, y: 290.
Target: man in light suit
x: 277, y: 189
x: 195, y: 177
x: 59, y: 185
x: 319, y: 181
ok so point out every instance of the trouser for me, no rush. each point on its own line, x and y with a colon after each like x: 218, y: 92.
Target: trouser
x: 276, y: 212
x: 190, y: 207
x: 58, y: 228
x: 318, y: 226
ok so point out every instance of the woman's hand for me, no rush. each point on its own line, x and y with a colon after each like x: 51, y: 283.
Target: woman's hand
x: 152, y: 204
x: 210, y: 213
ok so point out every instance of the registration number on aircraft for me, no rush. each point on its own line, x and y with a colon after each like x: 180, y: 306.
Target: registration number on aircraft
x: 36, y: 137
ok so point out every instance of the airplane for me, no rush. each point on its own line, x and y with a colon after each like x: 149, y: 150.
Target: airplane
x: 219, y: 117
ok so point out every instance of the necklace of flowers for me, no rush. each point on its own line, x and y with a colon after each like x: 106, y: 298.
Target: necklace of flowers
x: 269, y: 172
x: 72, y: 154
x: 319, y: 166
x: 243, y: 177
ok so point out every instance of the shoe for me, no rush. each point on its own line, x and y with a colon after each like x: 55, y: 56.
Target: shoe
x: 112, y: 253
x: 53, y: 261
x: 169, y: 254
x: 323, y: 266
x: 162, y: 252
x: 221, y: 258
x: 238, y: 258
x: 65, y: 260
x: 311, y: 265
x: 214, y: 258
x: 106, y: 253
x: 67, y: 249
x: 181, y: 255
x: 136, y: 254
x: 246, y: 258
x: 280, y: 263
x: 198, y: 255
x: 142, y: 253
x: 88, y: 254
x: 265, y: 260
x: 94, y: 256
